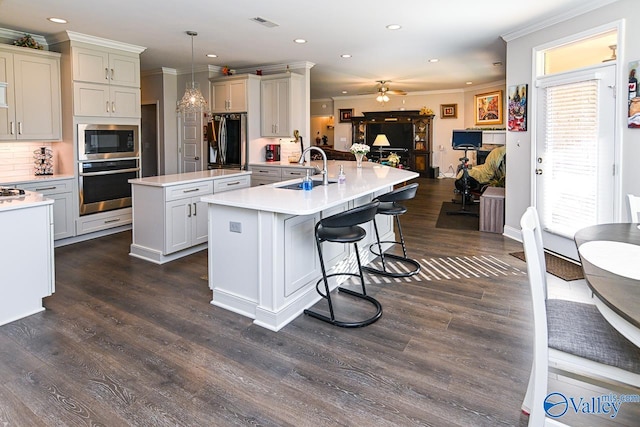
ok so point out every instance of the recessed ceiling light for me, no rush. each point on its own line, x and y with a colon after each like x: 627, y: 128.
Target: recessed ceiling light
x: 469, y: 83
x: 300, y: 41
x: 434, y: 60
x: 393, y: 27
x: 212, y: 55
x: 344, y: 91
x: 58, y: 20
x: 345, y: 55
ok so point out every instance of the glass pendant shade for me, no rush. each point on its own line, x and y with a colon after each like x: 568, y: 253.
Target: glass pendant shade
x: 192, y: 101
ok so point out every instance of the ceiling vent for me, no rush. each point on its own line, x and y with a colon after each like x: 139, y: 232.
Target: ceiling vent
x: 264, y: 22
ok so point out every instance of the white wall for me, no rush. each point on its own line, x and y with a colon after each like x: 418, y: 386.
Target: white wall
x: 519, y: 71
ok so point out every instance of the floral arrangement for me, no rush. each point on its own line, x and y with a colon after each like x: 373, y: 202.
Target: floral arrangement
x: 359, y: 149
x: 424, y: 111
x: 28, y: 41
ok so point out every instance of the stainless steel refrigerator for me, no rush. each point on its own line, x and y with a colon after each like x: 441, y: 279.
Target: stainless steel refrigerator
x: 227, y: 138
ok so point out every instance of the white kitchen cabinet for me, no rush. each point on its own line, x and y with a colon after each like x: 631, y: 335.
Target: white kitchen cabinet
x: 105, y: 67
x: 169, y: 220
x: 281, y: 104
x: 61, y: 192
x: 33, y: 94
x: 265, y: 175
x: 99, y: 100
x: 230, y: 94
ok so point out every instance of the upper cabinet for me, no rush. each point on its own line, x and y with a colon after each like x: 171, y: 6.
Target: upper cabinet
x: 33, y: 94
x: 281, y: 104
x: 97, y: 66
x: 101, y: 77
x: 230, y: 94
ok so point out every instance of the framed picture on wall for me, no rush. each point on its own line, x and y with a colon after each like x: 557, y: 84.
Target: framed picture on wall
x: 448, y: 111
x: 517, y: 108
x: 488, y: 108
x: 345, y: 115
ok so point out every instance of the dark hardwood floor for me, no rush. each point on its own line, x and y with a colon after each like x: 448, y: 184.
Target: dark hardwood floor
x: 127, y: 342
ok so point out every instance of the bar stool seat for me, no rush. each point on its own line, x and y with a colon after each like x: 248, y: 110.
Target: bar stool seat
x: 389, y: 206
x: 344, y: 227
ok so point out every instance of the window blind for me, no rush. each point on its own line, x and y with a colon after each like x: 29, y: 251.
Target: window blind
x: 570, y: 172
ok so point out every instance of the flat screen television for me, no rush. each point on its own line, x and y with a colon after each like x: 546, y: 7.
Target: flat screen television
x: 400, y: 135
x: 466, y: 139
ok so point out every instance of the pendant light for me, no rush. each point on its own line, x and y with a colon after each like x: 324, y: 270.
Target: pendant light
x: 192, y: 101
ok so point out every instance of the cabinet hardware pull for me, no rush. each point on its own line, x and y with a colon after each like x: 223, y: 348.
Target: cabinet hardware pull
x: 19, y: 128
x: 195, y: 212
x: 233, y: 183
x: 112, y: 74
x: 191, y: 190
x: 189, y: 214
x: 113, y: 107
x: 13, y: 128
x: 45, y: 189
x: 107, y: 106
x: 106, y: 74
x: 112, y: 220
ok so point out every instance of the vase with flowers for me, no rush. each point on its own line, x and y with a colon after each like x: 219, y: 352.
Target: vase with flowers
x: 359, y: 150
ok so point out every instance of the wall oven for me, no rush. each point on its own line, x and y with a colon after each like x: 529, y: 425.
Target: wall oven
x: 97, y: 142
x: 104, y: 184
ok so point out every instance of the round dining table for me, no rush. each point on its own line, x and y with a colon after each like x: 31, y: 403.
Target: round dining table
x: 610, y: 256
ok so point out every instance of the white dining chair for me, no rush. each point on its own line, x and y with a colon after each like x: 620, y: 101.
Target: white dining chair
x: 569, y: 336
x: 633, y: 204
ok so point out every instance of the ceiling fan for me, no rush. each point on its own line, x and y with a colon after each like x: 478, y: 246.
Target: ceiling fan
x: 383, y: 91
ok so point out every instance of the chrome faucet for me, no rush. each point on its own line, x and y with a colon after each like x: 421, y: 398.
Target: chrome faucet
x: 324, y: 172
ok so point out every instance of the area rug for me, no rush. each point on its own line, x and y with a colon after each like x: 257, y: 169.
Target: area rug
x: 458, y: 222
x: 559, y: 267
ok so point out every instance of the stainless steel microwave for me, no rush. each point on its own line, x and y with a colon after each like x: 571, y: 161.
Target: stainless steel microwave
x: 96, y: 142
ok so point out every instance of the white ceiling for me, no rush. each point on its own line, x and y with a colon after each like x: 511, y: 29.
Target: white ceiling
x: 463, y: 34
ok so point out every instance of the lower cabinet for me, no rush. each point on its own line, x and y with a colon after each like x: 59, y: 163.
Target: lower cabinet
x: 170, y: 221
x: 186, y: 224
x: 61, y: 192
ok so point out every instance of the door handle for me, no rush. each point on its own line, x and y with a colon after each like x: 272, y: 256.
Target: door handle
x: 538, y: 171
x: 196, y: 158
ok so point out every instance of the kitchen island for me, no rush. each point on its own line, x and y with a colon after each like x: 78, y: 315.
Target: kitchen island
x: 263, y: 261
x: 27, y: 251
x: 169, y: 221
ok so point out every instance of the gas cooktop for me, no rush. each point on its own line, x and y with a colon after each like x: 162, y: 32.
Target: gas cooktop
x: 10, y: 192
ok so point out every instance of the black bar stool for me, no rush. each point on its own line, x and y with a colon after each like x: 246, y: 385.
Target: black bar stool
x: 389, y: 206
x: 343, y: 228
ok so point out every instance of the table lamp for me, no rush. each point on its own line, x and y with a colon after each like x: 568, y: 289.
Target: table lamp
x: 381, y: 141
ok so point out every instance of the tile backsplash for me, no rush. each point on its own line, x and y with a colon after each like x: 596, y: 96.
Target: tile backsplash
x: 16, y: 158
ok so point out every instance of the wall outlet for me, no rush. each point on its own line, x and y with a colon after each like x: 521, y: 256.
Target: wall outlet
x: 235, y: 227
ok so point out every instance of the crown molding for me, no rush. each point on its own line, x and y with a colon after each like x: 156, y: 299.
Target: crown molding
x: 98, y: 41
x: 556, y: 18
x: 158, y: 72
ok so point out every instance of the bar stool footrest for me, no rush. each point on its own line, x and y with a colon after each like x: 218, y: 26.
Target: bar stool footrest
x: 415, y: 264
x: 356, y: 324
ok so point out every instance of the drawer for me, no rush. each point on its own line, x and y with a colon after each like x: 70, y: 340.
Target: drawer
x: 266, y: 172
x: 231, y: 183
x: 103, y: 221
x: 291, y: 173
x: 49, y: 187
x: 255, y: 181
x: 175, y: 192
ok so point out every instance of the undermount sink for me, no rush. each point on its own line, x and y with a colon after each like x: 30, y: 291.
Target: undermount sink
x: 298, y: 185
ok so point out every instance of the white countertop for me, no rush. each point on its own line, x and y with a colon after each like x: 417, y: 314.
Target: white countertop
x: 16, y: 180
x: 28, y: 200
x: 186, y: 178
x: 370, y: 178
